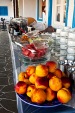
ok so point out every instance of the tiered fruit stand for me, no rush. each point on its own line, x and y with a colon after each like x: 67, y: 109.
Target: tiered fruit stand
x: 23, y: 104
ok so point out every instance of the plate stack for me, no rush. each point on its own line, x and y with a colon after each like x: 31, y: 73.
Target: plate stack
x: 71, y: 46
x: 63, y: 44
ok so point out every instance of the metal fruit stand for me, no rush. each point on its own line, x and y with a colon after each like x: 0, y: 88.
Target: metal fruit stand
x: 23, y: 104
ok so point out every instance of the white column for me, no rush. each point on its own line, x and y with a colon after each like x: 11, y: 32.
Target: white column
x: 23, y: 6
x: 70, y: 12
x: 12, y: 9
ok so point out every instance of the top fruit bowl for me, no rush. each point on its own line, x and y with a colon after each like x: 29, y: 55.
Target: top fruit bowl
x: 35, y: 50
x: 42, y: 38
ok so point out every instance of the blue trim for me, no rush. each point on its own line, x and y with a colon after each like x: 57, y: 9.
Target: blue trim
x: 50, y: 12
x: 39, y: 19
x: 73, y: 22
x: 67, y: 7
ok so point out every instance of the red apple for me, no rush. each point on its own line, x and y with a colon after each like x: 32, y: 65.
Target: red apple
x: 50, y: 75
x: 55, y: 83
x: 41, y: 70
x: 30, y: 70
x: 51, y: 65
x: 39, y: 96
x: 64, y: 95
x: 41, y: 82
x: 30, y: 90
x: 32, y: 78
x: 66, y: 82
x: 58, y: 73
x: 24, y: 77
x: 50, y: 94
x: 21, y: 87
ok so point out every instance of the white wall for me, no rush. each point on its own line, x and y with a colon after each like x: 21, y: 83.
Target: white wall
x: 47, y: 2
x: 30, y: 8
x: 9, y: 4
x: 20, y: 7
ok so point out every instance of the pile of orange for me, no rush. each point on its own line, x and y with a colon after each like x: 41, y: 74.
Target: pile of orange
x: 44, y: 82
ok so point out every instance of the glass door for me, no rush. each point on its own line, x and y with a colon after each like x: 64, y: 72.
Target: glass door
x: 59, y: 12
x: 41, y: 4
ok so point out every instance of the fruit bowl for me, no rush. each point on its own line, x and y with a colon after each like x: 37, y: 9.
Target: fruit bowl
x: 44, y: 85
x: 51, y: 104
x: 27, y: 61
x: 35, y: 51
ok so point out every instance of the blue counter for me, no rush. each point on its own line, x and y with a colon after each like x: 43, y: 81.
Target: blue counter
x: 32, y: 109
x: 21, y: 105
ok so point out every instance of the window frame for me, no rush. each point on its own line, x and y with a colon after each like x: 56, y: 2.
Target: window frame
x: 39, y: 19
x: 54, y: 13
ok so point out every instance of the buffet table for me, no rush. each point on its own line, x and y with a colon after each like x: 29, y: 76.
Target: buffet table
x: 22, y: 106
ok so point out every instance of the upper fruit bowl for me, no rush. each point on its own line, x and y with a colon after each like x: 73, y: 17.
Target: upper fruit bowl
x: 42, y: 38
x: 35, y: 50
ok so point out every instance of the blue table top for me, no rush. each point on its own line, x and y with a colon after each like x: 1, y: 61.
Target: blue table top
x: 33, y: 109
x: 59, y: 109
